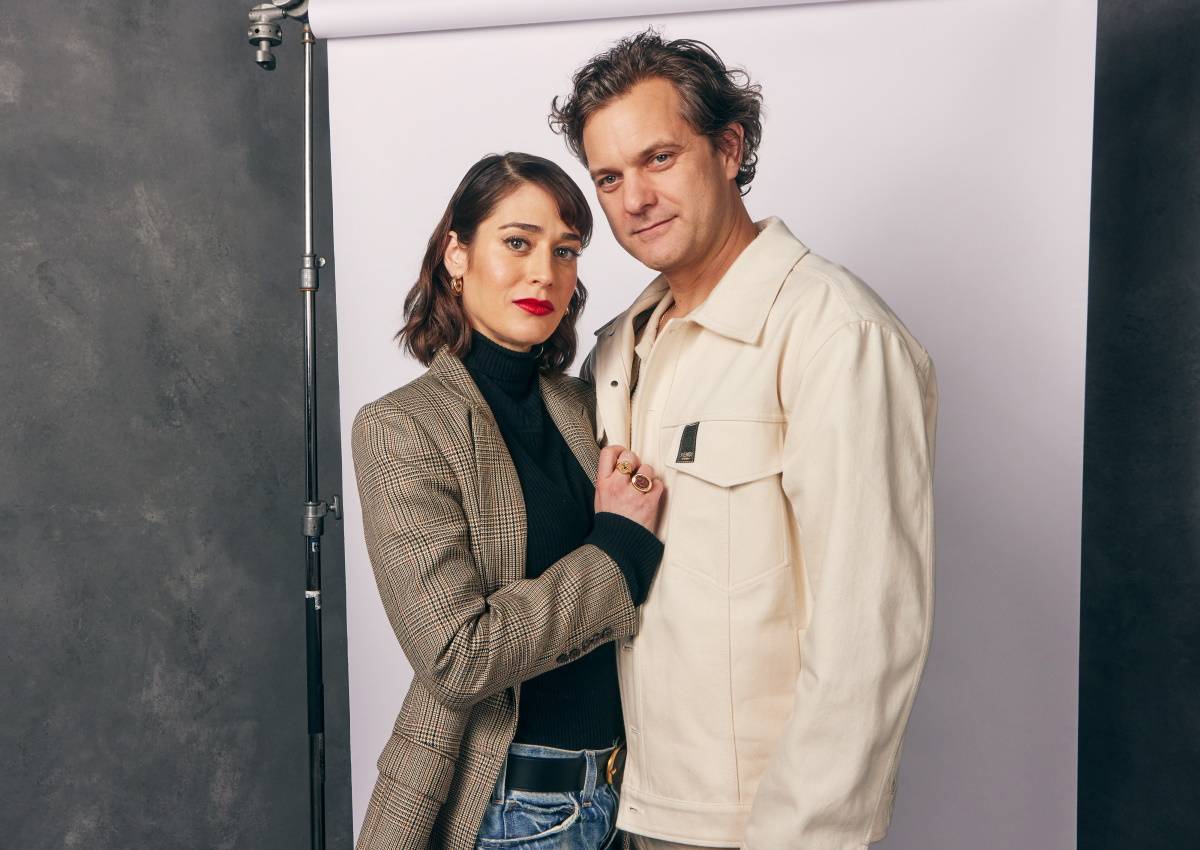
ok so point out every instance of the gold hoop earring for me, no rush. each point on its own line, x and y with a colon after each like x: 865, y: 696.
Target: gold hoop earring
x: 456, y: 285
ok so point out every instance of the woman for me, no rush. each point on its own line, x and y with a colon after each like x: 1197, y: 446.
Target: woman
x: 510, y: 552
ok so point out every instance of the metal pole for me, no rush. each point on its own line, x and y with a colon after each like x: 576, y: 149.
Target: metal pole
x: 313, y: 506
x: 264, y: 33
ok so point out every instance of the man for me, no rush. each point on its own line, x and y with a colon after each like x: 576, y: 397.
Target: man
x: 791, y: 416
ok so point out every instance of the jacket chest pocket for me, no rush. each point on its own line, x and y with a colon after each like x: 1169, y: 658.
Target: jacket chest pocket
x: 726, y: 512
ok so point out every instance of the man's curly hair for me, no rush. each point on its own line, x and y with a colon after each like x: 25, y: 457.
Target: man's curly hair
x: 713, y: 95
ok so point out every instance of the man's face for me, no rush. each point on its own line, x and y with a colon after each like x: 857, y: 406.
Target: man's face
x: 666, y: 190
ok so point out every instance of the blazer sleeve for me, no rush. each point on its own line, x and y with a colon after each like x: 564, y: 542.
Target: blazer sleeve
x: 464, y: 643
x: 858, y: 475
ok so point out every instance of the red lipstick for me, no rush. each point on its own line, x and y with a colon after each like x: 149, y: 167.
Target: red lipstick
x: 533, y: 305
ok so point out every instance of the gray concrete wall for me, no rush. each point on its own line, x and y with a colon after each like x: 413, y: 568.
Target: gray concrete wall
x: 152, y: 678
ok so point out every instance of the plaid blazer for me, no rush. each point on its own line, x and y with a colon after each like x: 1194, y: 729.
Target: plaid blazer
x: 444, y: 518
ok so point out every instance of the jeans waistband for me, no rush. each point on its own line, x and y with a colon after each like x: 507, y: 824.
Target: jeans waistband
x: 542, y: 751
x: 596, y: 761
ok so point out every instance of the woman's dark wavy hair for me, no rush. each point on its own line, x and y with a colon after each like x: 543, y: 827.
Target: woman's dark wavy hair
x: 433, y: 316
x: 713, y: 95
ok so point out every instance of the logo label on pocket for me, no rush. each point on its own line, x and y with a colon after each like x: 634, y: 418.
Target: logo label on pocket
x: 687, y: 443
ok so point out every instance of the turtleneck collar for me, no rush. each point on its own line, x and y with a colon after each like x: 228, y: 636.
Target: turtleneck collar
x: 515, y: 370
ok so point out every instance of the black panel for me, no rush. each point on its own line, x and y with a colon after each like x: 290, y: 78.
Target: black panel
x: 1139, y: 735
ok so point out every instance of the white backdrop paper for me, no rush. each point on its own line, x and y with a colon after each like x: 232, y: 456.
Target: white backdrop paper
x: 941, y: 150
x: 351, y: 18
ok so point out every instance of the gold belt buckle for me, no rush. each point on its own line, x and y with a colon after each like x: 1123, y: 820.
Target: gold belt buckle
x: 610, y: 770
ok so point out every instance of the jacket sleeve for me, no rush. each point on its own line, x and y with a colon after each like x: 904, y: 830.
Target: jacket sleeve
x: 464, y: 643
x: 857, y: 472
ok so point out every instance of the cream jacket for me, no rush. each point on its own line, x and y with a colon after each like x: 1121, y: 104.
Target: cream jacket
x: 767, y: 690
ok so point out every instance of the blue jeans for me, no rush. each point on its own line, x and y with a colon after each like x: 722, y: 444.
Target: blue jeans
x: 535, y: 820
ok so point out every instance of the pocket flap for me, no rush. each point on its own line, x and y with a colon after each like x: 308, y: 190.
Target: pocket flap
x: 417, y: 766
x: 725, y: 452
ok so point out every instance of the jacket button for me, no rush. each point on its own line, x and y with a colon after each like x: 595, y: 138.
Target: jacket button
x: 574, y: 653
x: 613, y: 384
x: 607, y: 633
x: 563, y: 659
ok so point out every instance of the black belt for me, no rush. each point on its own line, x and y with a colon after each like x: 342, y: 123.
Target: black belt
x: 561, y: 775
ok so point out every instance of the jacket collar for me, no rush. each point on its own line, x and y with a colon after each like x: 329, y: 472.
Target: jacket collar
x: 455, y: 377
x: 739, y: 304
x: 564, y: 407
x: 650, y: 296
x: 738, y: 308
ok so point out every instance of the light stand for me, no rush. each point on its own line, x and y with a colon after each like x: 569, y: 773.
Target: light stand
x: 265, y: 32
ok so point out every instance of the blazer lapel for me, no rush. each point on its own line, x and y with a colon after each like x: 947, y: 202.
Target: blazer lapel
x: 574, y: 422
x: 501, y: 504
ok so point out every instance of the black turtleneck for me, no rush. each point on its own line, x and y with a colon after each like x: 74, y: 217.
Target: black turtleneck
x: 577, y: 705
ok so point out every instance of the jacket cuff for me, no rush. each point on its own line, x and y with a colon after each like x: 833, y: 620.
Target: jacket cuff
x: 636, y: 550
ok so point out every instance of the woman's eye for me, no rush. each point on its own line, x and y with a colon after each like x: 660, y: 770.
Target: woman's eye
x: 567, y: 253
x: 516, y: 243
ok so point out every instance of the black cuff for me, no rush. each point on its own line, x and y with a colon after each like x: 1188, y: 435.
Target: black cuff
x: 635, y: 549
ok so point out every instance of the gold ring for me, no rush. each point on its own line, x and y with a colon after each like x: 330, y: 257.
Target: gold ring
x: 624, y: 467
x: 641, y: 483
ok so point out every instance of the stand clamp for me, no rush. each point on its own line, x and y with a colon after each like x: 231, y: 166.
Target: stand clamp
x: 315, y: 513
x: 265, y: 31
x: 309, y: 272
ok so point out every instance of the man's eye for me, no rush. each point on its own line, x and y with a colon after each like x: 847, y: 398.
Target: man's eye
x: 660, y: 158
x: 566, y: 253
x: 516, y: 243
x: 606, y: 180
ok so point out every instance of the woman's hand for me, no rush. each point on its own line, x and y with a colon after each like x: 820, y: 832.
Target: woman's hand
x: 615, y: 491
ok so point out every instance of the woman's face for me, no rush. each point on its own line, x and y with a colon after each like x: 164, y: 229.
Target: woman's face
x: 519, y: 271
